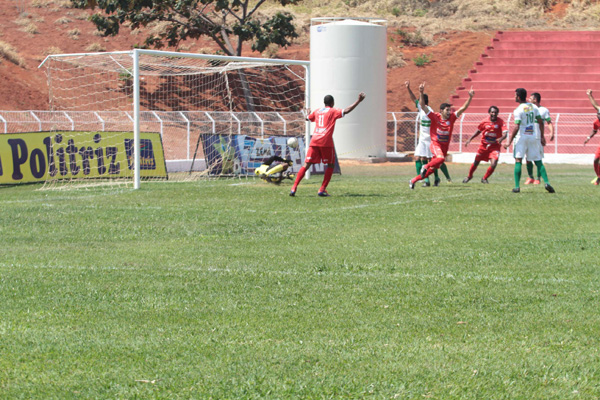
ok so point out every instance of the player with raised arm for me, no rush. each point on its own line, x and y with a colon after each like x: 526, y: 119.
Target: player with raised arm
x: 423, y: 151
x: 321, y: 148
x: 442, y: 125
x: 536, y: 99
x: 493, y: 131
x: 595, y: 128
x: 526, y: 115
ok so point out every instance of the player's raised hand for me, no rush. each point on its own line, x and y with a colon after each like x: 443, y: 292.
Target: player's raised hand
x: 588, y: 92
x: 407, y: 84
x: 422, y: 87
x: 471, y: 92
x: 306, y: 113
x: 361, y: 96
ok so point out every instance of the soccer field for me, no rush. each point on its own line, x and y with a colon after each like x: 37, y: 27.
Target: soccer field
x: 231, y: 289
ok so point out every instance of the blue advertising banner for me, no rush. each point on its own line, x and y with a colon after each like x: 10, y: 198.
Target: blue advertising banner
x: 241, y: 154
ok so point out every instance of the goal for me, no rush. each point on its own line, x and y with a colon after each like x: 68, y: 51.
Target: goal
x: 124, y: 117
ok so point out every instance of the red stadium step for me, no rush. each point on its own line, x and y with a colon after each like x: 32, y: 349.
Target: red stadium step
x: 504, y: 109
x: 510, y: 93
x: 583, y: 105
x: 555, y: 69
x: 543, y: 53
x: 546, y: 45
x: 532, y: 75
x: 552, y: 36
x: 536, y: 86
x: 533, y: 62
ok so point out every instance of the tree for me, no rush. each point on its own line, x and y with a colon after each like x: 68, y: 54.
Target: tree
x: 229, y: 23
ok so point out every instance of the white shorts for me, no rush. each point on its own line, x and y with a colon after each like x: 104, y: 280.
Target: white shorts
x: 529, y: 147
x: 423, y: 149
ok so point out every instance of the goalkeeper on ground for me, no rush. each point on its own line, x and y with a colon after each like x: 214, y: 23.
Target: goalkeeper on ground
x: 274, y: 170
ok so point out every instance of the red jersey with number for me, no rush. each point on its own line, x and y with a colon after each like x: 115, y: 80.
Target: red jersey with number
x: 441, y: 129
x: 325, y: 119
x: 491, y: 132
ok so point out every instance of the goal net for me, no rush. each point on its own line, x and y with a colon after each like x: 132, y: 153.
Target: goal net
x: 125, y: 117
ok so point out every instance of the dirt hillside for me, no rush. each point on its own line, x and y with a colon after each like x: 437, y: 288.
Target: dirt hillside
x: 36, y: 28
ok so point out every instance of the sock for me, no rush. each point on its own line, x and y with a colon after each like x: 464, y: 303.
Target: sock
x: 299, y: 177
x: 326, y: 178
x: 436, y: 174
x: 445, y: 171
x: 518, y: 167
x: 472, y: 170
x: 488, y: 173
x: 418, y: 165
x: 542, y: 171
x: 530, y: 169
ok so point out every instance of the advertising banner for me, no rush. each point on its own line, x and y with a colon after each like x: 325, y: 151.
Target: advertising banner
x: 39, y: 156
x: 241, y: 154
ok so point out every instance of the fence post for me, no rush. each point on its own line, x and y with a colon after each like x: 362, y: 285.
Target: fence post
x: 188, y: 133
x: 556, y: 134
x: 5, y: 124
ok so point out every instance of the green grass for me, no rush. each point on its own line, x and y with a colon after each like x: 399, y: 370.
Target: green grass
x: 233, y: 290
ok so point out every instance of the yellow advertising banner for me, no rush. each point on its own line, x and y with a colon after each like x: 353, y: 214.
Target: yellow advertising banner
x: 40, y: 156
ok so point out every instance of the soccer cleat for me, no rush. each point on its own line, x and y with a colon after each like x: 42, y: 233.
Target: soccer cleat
x: 483, y: 180
x: 426, y: 184
x: 292, y: 193
x: 467, y: 179
x: 449, y: 180
x: 516, y: 190
x: 529, y: 181
x: 323, y: 194
x: 411, y: 184
x: 596, y: 181
x: 549, y: 188
x: 536, y: 182
x: 436, y: 182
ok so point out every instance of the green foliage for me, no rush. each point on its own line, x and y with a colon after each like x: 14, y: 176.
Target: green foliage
x: 228, y: 291
x: 419, y: 12
x: 229, y: 23
x: 422, y: 59
x: 396, y: 12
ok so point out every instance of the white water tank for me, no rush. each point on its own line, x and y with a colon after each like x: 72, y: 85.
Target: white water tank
x: 349, y: 56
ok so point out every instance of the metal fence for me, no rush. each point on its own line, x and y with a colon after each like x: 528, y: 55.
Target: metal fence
x: 180, y: 130
x: 570, y: 131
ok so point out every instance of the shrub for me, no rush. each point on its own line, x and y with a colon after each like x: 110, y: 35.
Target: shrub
x: 9, y: 53
x: 422, y: 59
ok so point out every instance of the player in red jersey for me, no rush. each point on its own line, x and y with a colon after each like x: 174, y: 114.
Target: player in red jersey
x: 493, y: 131
x: 594, y: 130
x: 442, y: 125
x: 321, y: 147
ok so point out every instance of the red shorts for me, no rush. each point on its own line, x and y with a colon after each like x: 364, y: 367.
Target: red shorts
x: 597, y: 155
x: 318, y: 154
x: 487, y: 153
x: 438, y: 150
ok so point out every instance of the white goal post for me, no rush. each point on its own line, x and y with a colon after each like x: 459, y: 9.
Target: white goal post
x: 178, y: 105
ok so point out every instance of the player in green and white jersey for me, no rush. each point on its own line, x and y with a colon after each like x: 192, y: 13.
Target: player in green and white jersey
x: 526, y: 116
x: 422, y: 151
x: 536, y: 99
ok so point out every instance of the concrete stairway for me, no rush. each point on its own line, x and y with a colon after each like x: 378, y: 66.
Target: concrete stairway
x: 559, y: 65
